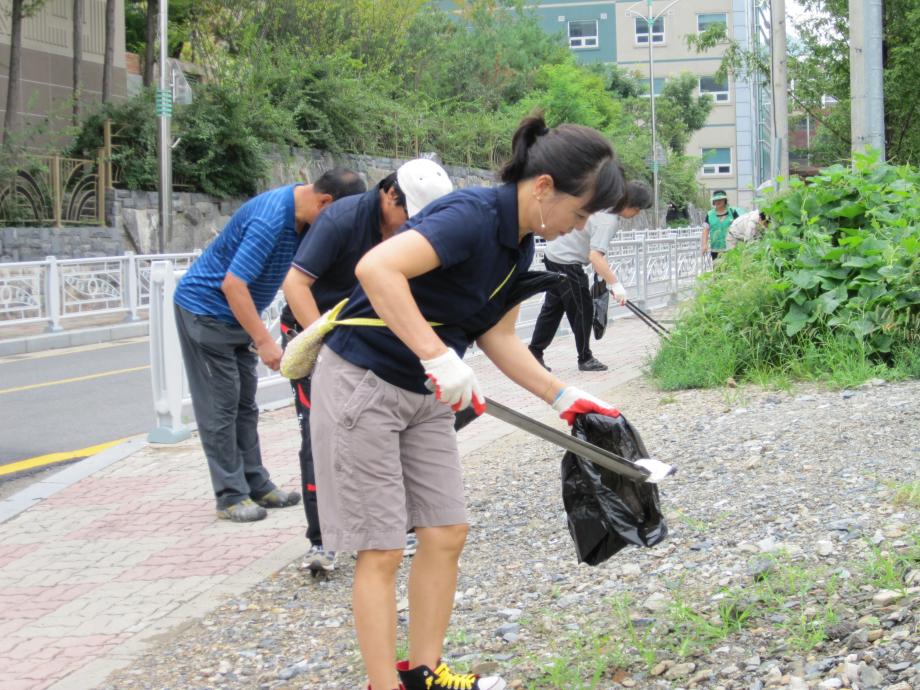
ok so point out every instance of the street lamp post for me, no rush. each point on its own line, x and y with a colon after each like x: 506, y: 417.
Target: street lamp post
x: 164, y: 103
x: 650, y: 20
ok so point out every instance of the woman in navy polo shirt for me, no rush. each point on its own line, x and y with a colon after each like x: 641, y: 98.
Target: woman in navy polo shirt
x: 385, y: 450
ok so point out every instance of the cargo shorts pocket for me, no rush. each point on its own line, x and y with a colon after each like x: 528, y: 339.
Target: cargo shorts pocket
x: 359, y: 399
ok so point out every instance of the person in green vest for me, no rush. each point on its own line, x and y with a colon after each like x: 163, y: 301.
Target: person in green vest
x: 715, y: 227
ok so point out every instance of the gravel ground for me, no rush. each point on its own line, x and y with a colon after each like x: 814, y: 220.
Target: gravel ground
x: 793, y: 561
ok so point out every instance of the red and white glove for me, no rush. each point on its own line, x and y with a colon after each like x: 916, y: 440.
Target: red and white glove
x: 618, y: 292
x: 454, y: 382
x: 573, y: 401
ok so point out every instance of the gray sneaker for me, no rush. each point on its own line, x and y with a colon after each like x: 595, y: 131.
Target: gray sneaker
x: 244, y: 511
x: 276, y: 498
x: 318, y: 560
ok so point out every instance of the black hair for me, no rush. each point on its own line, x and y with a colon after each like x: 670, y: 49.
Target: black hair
x: 340, y: 182
x: 638, y: 195
x: 389, y: 182
x: 579, y: 159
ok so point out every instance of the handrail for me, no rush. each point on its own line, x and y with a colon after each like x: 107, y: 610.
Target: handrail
x: 54, y: 290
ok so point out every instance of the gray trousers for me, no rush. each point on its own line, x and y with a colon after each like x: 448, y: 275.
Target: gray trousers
x: 222, y: 378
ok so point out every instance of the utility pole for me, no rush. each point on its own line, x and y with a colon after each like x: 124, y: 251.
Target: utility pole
x: 867, y: 114
x: 651, y: 97
x: 164, y: 136
x: 780, y: 87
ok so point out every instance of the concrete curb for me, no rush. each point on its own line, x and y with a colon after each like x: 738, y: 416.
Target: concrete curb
x: 34, y: 494
x: 74, y: 338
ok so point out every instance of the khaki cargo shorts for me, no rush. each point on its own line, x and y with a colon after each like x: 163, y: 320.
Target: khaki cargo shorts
x: 386, y: 459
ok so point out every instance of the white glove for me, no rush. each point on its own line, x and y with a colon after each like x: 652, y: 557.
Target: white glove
x: 618, y: 292
x: 454, y: 382
x: 574, y: 401
x: 658, y: 470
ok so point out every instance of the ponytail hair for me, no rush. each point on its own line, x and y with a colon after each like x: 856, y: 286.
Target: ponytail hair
x: 579, y: 159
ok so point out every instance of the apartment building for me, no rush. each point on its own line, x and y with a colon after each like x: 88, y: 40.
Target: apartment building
x: 47, y: 58
x: 731, y: 148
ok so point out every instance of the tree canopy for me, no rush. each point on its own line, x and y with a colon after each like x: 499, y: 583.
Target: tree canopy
x: 391, y: 77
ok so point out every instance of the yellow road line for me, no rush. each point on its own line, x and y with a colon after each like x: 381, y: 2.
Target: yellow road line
x: 65, y: 351
x: 88, y: 377
x: 52, y: 458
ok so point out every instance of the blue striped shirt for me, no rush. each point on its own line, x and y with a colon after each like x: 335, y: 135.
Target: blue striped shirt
x: 256, y: 246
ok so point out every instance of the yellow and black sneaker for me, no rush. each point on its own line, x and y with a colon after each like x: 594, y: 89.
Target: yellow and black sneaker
x: 442, y: 678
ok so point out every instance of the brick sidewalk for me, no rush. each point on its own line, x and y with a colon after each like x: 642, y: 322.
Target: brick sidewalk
x: 90, y: 574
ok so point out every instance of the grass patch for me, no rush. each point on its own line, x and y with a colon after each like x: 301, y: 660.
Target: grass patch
x: 830, y: 293
x: 908, y: 494
x: 799, y: 602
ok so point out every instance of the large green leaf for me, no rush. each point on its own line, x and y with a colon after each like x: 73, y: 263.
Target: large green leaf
x: 795, y: 319
x: 863, y: 327
x: 848, y: 211
x: 805, y: 279
x: 832, y: 299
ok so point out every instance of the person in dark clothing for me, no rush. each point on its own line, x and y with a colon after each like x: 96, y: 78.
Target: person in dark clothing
x: 323, y: 273
x: 387, y: 386
x: 569, y: 255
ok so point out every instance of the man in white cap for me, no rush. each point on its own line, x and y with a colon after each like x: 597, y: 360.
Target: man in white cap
x: 323, y: 273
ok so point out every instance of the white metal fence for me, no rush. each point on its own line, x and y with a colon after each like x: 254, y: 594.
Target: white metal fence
x: 54, y: 290
x: 656, y: 267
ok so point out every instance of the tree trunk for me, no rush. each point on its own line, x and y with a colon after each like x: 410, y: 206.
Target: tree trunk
x: 109, y: 50
x: 77, y: 58
x: 153, y: 10
x: 11, y: 118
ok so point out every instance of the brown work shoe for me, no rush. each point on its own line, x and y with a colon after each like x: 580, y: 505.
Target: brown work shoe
x: 276, y: 498
x: 244, y: 511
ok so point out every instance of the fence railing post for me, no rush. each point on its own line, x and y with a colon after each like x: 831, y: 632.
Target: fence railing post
x: 166, y: 368
x: 674, y: 271
x: 642, y: 267
x: 131, y: 283
x: 53, y: 293
x: 57, y: 201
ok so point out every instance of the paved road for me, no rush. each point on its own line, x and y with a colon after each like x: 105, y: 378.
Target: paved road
x: 61, y: 401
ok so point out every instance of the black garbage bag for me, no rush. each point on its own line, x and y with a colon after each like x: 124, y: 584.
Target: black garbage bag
x: 600, y: 296
x: 607, y: 511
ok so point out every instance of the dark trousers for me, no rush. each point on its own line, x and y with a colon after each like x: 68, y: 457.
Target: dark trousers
x: 221, y: 372
x: 301, y: 388
x: 573, y: 298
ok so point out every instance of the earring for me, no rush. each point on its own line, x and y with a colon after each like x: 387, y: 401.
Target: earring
x: 540, y: 211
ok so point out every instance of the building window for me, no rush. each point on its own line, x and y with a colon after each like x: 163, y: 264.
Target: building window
x: 717, y: 161
x: 642, y: 31
x: 718, y: 90
x: 704, y: 21
x: 583, y: 34
x: 659, y: 86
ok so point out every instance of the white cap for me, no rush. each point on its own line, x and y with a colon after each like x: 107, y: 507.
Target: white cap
x: 422, y: 181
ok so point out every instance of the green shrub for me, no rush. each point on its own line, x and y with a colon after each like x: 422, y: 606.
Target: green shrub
x: 832, y: 292
x: 223, y: 135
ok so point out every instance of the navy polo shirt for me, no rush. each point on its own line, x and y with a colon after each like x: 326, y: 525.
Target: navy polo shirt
x: 474, y: 232
x: 343, y: 233
x: 256, y: 246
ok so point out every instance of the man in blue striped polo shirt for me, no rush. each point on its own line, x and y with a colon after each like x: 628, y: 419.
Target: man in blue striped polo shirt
x: 219, y: 303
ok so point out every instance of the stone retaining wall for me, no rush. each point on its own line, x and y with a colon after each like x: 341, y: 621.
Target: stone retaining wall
x: 198, y: 218
x: 34, y: 244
